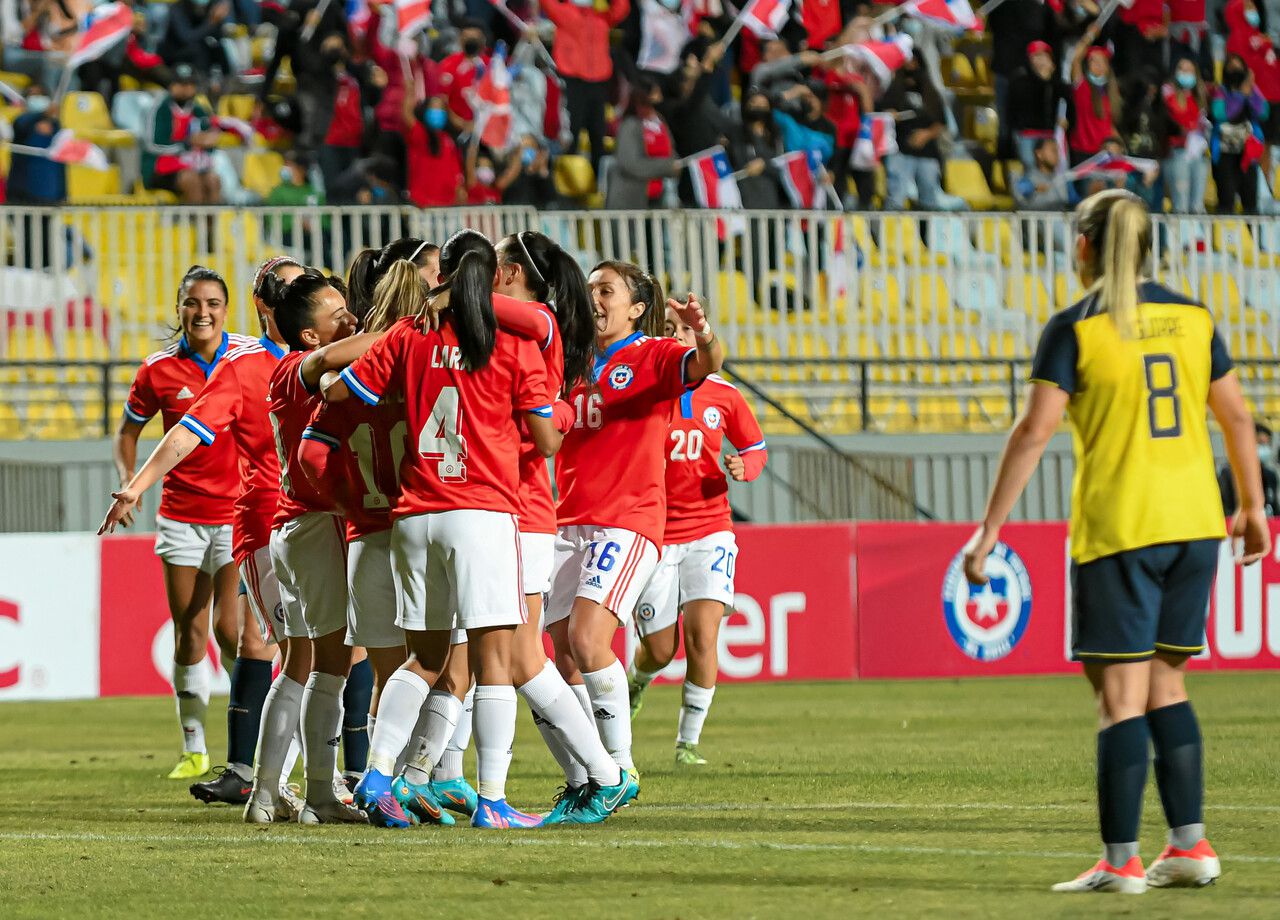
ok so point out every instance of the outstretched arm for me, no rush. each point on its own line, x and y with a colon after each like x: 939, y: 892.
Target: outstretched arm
x: 177, y: 443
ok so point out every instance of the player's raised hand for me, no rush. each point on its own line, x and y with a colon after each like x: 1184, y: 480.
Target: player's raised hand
x: 121, y: 511
x: 1250, y: 536
x: 976, y: 552
x: 736, y: 467
x: 690, y: 312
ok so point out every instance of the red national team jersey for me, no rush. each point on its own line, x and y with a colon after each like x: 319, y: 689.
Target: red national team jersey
x: 292, y: 406
x: 537, y: 504
x: 201, y: 490
x: 373, y: 444
x: 462, y: 423
x: 611, y: 467
x: 697, y: 490
x: 235, y: 397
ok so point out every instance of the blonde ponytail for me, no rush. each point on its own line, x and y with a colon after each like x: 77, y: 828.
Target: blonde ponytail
x: 1118, y: 228
x: 398, y: 293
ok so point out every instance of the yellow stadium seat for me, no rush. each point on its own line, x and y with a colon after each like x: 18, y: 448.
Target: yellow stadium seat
x: 1027, y: 294
x: 995, y: 236
x: 237, y: 105
x: 879, y: 298
x: 262, y: 171
x: 962, y: 73
x: 862, y: 236
x: 986, y: 127
x: 54, y: 420
x: 10, y: 424
x: 1219, y: 292
x: 1002, y: 345
x: 890, y: 414
x: 19, y: 81
x: 982, y: 72
x: 86, y: 114
x: 965, y: 178
x: 900, y: 238
x: 1233, y: 238
x: 85, y: 185
x: 574, y: 177
x: 29, y: 343
x: 930, y: 297
x: 85, y: 345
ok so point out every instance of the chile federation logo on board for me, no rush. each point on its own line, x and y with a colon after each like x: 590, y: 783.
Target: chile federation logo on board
x: 987, y: 621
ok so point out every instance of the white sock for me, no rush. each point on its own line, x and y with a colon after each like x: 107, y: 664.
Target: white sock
x: 398, y: 709
x: 295, y: 753
x: 449, y: 766
x: 640, y: 678
x: 321, y: 728
x: 611, y: 708
x: 695, y: 702
x: 495, y: 728
x: 571, y: 737
x: 373, y: 720
x: 191, y: 688
x: 584, y: 699
x: 280, y: 715
x: 435, y: 728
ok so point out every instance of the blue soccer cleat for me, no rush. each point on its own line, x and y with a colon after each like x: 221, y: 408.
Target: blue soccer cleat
x: 496, y: 813
x: 566, y: 800
x: 599, y: 802
x: 374, y: 796
x: 456, y: 795
x: 418, y: 801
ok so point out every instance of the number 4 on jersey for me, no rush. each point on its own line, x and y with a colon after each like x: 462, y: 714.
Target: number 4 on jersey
x: 442, y: 437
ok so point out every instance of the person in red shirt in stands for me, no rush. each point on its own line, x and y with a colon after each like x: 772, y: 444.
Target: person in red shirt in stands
x: 581, y: 53
x: 435, y: 167
x: 345, y: 137
x: 460, y: 70
x: 1142, y: 36
x: 1095, y: 98
x: 1245, y: 38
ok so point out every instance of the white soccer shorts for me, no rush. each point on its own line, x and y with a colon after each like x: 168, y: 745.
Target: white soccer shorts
x: 310, y: 558
x: 537, y: 560
x: 265, y: 600
x: 206, y: 547
x: 698, y: 571
x: 371, y: 601
x: 458, y: 570
x: 608, y: 565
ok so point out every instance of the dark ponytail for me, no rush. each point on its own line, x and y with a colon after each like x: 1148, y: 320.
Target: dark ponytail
x: 372, y: 264
x: 553, y: 277
x: 468, y: 262
x: 293, y: 303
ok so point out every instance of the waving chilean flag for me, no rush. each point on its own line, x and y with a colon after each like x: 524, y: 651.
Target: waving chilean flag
x: 955, y: 15
x: 765, y: 17
x: 412, y: 16
x: 104, y: 28
x: 800, y: 170
x: 877, y: 137
x: 715, y: 186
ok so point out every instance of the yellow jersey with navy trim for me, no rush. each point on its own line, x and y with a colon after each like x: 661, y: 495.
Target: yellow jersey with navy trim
x: 1144, y: 464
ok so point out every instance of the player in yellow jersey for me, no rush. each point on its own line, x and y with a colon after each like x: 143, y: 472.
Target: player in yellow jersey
x: 1134, y: 365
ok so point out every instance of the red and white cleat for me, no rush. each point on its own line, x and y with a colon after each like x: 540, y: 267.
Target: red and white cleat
x: 1107, y: 878
x: 1191, y: 868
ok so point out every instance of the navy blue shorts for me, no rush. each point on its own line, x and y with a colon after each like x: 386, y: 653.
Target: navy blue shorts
x: 1133, y: 604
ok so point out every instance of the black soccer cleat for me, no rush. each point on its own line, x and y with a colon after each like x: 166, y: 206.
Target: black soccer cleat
x: 226, y: 786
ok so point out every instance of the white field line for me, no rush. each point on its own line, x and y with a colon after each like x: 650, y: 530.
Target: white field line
x: 547, y: 838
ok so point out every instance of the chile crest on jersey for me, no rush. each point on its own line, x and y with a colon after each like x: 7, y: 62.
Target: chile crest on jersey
x: 987, y: 621
x: 621, y: 376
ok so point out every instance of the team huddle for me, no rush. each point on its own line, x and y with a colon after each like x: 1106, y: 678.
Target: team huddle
x: 372, y: 474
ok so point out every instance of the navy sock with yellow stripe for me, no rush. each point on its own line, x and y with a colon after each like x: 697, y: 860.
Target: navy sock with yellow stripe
x: 356, y: 699
x: 1122, y: 775
x: 1179, y: 763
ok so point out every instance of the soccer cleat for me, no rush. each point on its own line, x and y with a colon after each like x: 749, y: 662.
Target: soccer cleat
x: 1130, y: 879
x: 259, y: 810
x: 600, y: 802
x: 374, y: 797
x: 191, y: 765
x: 688, y: 755
x: 497, y: 814
x: 289, y: 803
x: 636, y: 692
x: 566, y: 800
x: 340, y: 790
x: 1193, y: 868
x: 331, y: 813
x: 419, y: 801
x: 226, y: 786
x: 456, y: 795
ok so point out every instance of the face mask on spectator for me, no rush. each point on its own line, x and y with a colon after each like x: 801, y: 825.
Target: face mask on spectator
x: 1233, y: 78
x: 435, y: 119
x: 1186, y: 80
x: 1264, y: 454
x: 200, y: 4
x: 755, y: 115
x: 1251, y: 17
x: 1098, y: 80
x: 672, y: 5
x: 37, y: 104
x: 471, y: 47
x: 485, y: 175
x: 528, y: 155
x: 286, y: 174
x: 584, y: 3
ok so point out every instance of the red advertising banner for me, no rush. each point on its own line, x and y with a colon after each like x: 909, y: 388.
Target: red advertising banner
x: 918, y: 616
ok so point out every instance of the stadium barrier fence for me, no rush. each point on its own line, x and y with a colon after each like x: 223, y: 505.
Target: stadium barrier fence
x: 82, y: 616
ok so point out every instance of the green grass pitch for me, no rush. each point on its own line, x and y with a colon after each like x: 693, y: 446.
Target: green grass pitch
x: 911, y: 799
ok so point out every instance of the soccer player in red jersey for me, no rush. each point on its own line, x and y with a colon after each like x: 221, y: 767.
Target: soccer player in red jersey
x: 611, y: 477
x: 193, y: 526
x: 455, y: 538
x: 372, y: 265
x: 308, y: 555
x: 234, y: 403
x: 693, y: 584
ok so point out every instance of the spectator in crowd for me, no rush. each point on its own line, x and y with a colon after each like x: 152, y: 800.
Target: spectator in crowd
x: 1247, y: 39
x: 407, y: 70
x: 1144, y: 132
x: 802, y: 121
x: 296, y: 191
x: 1188, y: 31
x: 1185, y: 168
x: 1238, y: 112
x: 644, y: 154
x: 459, y: 71
x: 780, y: 71
x: 581, y: 52
x: 752, y: 147
x: 103, y: 75
x: 194, y: 35
x: 1013, y: 25
x: 915, y: 171
x: 532, y: 184
x: 1270, y: 479
x: 1042, y: 186
x: 1142, y: 36
x: 313, y: 35
x: 1036, y: 93
x: 1095, y: 98
x: 49, y: 25
x: 487, y: 176
x: 345, y: 138
x: 435, y: 167
x: 848, y: 97
x: 529, y: 87
x: 177, y: 141
x: 33, y: 179
x: 695, y: 121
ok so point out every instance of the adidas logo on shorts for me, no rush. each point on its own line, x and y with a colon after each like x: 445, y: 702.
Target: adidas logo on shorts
x: 185, y: 393
x: 593, y: 581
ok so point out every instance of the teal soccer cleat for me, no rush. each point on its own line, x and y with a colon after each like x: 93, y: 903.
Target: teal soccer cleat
x: 456, y: 795
x: 566, y: 800
x: 602, y: 801
x: 418, y: 800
